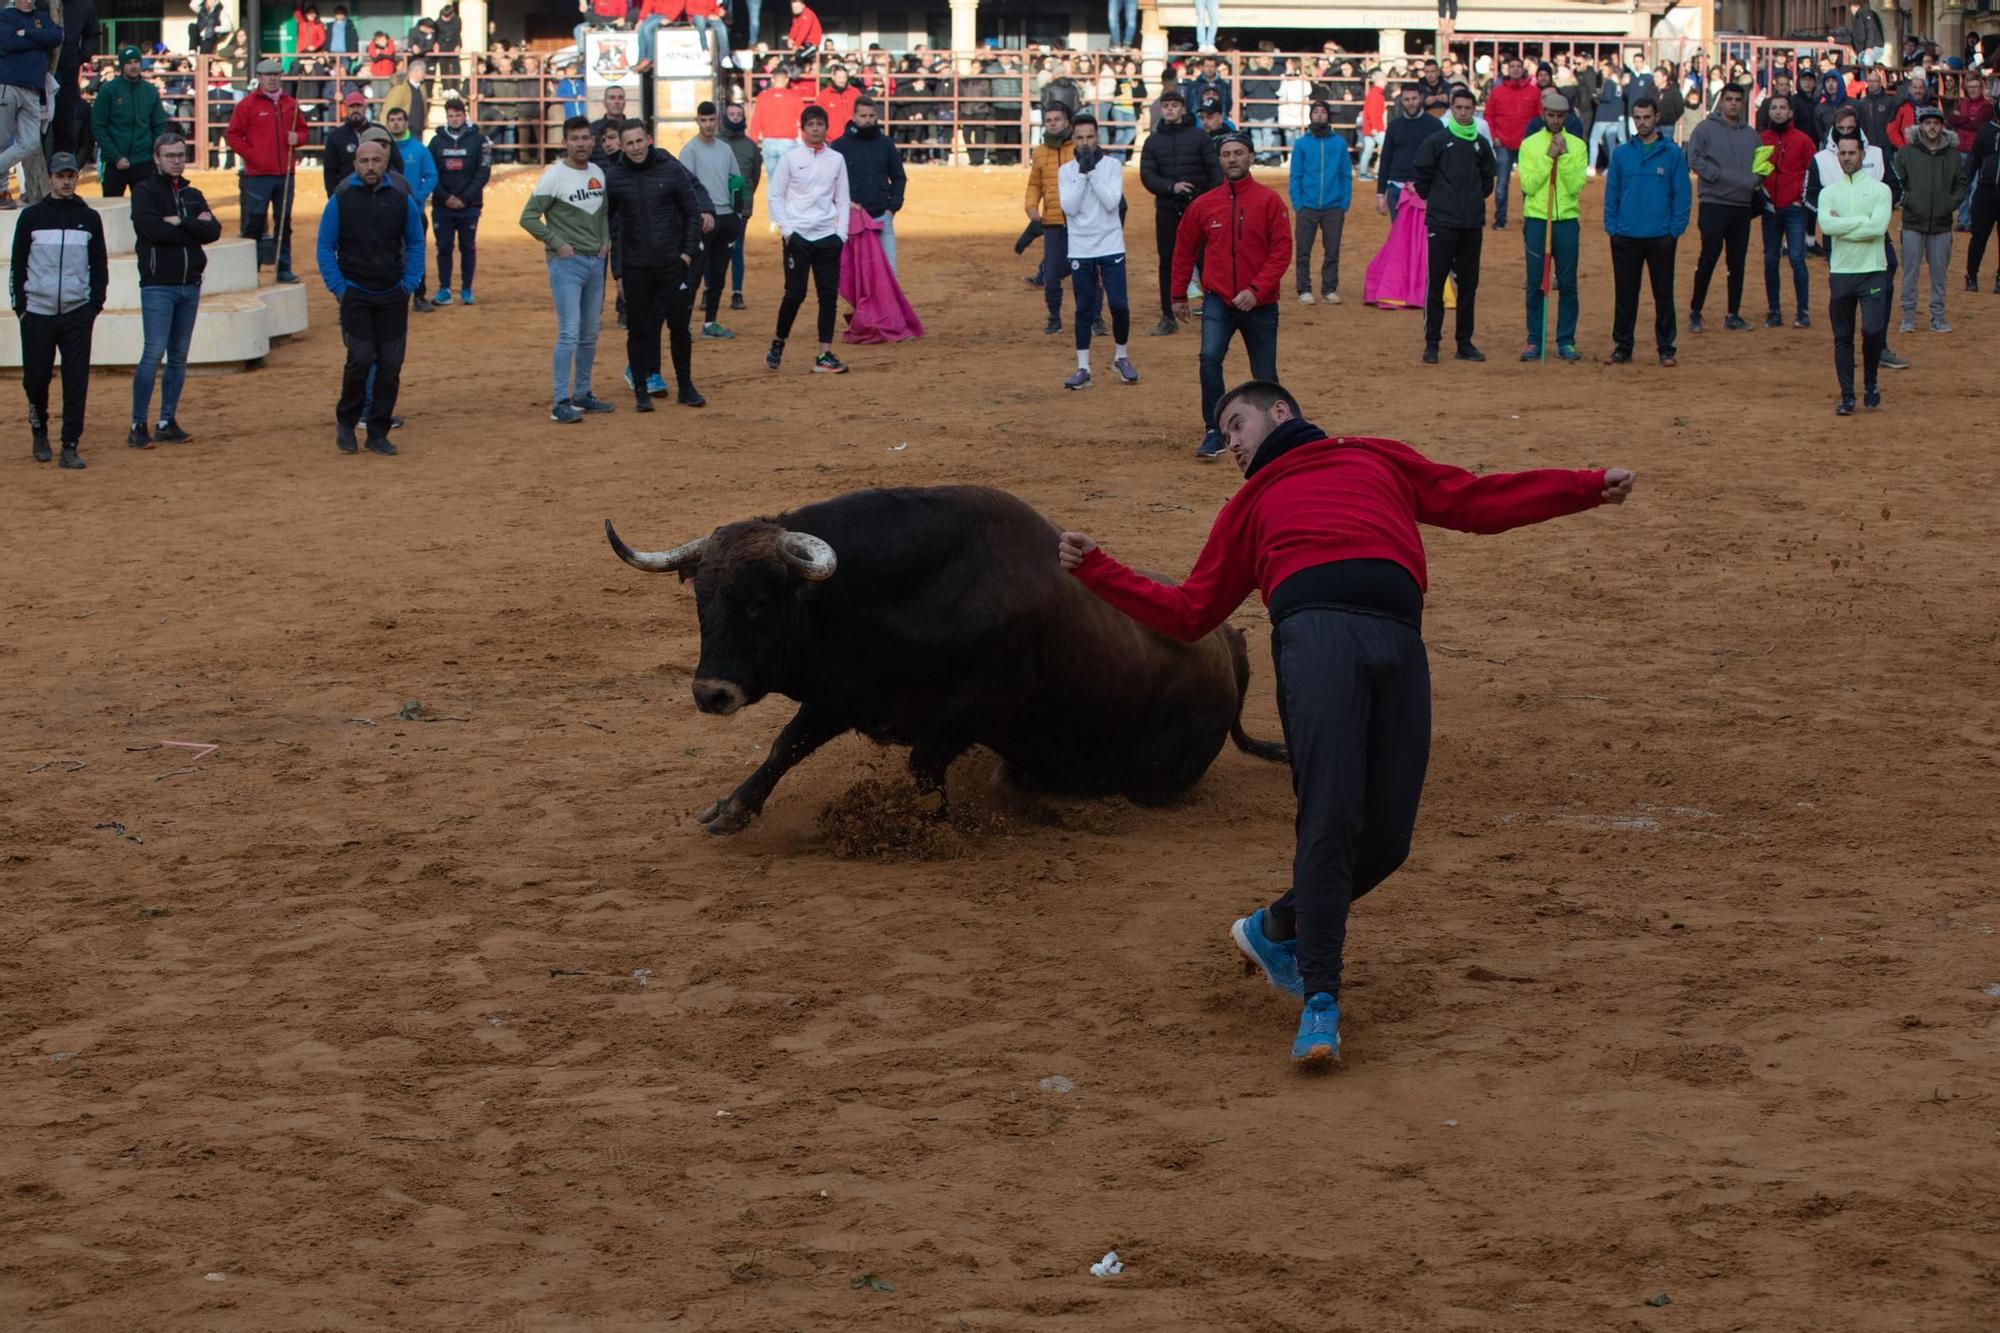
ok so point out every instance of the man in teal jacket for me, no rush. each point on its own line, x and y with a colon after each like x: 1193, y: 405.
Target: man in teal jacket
x: 420, y: 170
x: 126, y: 118
x: 1854, y: 215
x: 1646, y: 202
x: 1322, y: 188
x: 1551, y: 158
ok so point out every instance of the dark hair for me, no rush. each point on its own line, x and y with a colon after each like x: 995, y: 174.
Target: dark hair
x: 454, y: 105
x: 1846, y: 136
x: 1260, y: 394
x: 867, y: 101
x: 1173, y: 95
x: 1462, y: 91
x: 630, y: 123
x: 1729, y: 88
x: 1648, y: 103
x: 1083, y: 118
x: 817, y: 113
x: 576, y: 123
x: 705, y: 109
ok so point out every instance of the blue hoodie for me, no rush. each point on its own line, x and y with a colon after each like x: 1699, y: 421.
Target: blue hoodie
x: 1646, y: 190
x: 419, y: 167
x: 1322, y: 172
x: 25, y: 43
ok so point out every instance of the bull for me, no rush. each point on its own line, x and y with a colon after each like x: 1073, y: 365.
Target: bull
x: 938, y: 618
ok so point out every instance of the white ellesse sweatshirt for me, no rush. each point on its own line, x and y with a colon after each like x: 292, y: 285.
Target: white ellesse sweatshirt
x: 1090, y: 202
x: 808, y: 193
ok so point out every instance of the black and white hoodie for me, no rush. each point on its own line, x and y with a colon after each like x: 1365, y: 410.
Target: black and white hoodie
x: 59, y: 259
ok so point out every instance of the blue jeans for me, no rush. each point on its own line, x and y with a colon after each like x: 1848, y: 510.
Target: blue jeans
x: 1787, y: 225
x: 1610, y: 133
x: 1206, y: 17
x: 1122, y: 129
x: 1394, y: 193
x: 774, y: 151
x: 167, y: 315
x: 1220, y: 321
x: 1533, y: 234
x: 577, y: 284
x: 1503, y: 167
x: 1124, y: 16
x: 888, y: 221
x: 704, y: 26
x: 649, y: 31
x: 1100, y: 282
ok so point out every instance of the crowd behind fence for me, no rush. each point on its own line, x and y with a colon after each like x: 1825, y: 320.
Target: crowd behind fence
x: 985, y: 107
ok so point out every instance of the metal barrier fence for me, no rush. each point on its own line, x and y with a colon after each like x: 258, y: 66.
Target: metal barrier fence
x: 941, y: 106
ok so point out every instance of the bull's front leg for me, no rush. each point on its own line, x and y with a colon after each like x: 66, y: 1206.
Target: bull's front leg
x: 811, y: 727
x: 932, y: 756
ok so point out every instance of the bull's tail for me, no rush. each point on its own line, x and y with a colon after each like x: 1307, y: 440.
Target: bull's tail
x: 1239, y: 657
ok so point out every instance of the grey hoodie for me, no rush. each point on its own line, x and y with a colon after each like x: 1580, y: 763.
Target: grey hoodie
x: 1721, y: 155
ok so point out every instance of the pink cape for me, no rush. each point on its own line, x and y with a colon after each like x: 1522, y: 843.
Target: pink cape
x: 1400, y: 271
x: 881, y: 314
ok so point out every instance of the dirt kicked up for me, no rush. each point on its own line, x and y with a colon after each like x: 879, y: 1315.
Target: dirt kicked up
x: 422, y: 1001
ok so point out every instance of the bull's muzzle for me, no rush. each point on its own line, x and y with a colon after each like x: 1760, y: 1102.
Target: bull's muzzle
x: 718, y: 696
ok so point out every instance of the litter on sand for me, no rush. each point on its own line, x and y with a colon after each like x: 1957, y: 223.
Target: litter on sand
x: 1057, y: 1083
x: 1108, y: 1266
x: 1993, y: 990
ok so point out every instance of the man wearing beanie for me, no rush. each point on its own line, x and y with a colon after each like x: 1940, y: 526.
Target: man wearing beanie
x: 126, y: 117
x: 1322, y: 187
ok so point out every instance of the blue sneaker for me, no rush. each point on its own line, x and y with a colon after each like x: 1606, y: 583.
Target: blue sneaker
x: 1279, y: 960
x: 656, y: 386
x: 1317, y: 1046
x: 443, y: 297
x: 465, y: 296
x: 1210, y: 448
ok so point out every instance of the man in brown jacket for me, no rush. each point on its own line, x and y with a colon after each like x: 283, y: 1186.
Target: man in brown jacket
x: 1044, y: 205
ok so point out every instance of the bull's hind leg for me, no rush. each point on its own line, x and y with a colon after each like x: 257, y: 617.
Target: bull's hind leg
x: 811, y: 727
x: 932, y: 757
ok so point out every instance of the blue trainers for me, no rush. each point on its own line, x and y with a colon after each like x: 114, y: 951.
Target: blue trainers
x: 1317, y: 1046
x: 656, y: 385
x: 1279, y: 960
x: 1210, y: 448
x: 443, y: 297
x: 465, y: 296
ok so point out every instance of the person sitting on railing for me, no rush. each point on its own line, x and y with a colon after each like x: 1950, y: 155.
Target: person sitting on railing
x: 450, y: 42
x: 381, y: 57
x: 311, y: 32
x: 806, y: 35
x: 600, y: 14
x: 709, y: 16
x: 652, y: 14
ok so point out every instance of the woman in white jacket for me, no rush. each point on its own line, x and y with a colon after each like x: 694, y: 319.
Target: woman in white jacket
x: 1294, y: 102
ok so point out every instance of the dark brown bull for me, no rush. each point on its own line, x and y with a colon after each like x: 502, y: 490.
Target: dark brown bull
x: 938, y: 618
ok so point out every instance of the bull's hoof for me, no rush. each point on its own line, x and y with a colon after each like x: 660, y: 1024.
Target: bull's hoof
x: 727, y: 815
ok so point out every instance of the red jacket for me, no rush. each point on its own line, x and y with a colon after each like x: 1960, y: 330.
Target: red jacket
x: 1241, y: 236
x: 312, y: 32
x: 839, y: 106
x: 774, y: 113
x: 704, y: 9
x: 1966, y: 118
x: 1513, y: 111
x: 608, y: 11
x: 1349, y: 498
x: 1791, y: 157
x: 1905, y: 120
x: 257, y: 130
x: 805, y: 30
x: 667, y: 11
x: 1374, y: 111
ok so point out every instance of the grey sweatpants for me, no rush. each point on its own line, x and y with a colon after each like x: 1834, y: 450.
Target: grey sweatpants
x: 1919, y: 250
x: 1326, y: 223
x: 21, y: 120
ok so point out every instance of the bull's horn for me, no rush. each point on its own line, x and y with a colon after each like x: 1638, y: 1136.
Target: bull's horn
x: 659, y: 562
x: 809, y: 555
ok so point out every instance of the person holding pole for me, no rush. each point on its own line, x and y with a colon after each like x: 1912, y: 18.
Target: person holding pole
x: 1553, y: 169
x: 265, y: 132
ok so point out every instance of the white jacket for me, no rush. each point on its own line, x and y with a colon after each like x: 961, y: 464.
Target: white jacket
x: 807, y: 195
x: 1090, y: 203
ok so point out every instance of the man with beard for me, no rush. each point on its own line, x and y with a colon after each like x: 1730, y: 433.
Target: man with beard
x: 1322, y: 187
x: 337, y: 158
x: 1410, y: 127
x: 875, y: 178
x: 1934, y: 184
x: 1177, y: 165
x: 655, y: 210
x: 371, y: 257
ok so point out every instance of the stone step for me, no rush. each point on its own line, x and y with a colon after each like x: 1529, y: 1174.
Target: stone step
x: 232, y: 267
x: 115, y: 214
x: 232, y: 328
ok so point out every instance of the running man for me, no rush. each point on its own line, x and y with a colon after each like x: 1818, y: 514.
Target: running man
x: 1326, y: 529
x: 808, y: 200
x: 1092, y: 185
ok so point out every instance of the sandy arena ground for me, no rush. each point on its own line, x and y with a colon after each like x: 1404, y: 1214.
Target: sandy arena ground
x: 461, y: 1022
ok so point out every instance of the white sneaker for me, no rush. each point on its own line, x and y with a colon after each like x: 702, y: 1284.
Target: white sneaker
x: 1194, y: 291
x: 1331, y: 298
x: 1590, y: 173
x: 1305, y: 298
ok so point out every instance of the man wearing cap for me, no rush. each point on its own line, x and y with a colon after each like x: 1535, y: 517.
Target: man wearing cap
x: 265, y: 132
x: 337, y: 158
x: 27, y: 36
x: 1934, y: 184
x: 371, y: 257
x: 1551, y: 158
x: 60, y: 274
x: 464, y: 163
x: 172, y: 222
x: 126, y: 117
x: 1177, y: 165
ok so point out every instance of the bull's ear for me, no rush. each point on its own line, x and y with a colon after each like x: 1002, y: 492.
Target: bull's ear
x: 688, y: 571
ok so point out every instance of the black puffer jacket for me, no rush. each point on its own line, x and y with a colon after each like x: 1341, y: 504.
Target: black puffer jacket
x: 170, y: 252
x: 1180, y: 152
x: 655, y: 209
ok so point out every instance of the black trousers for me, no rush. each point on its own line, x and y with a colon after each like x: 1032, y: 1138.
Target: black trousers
x: 1055, y: 266
x: 1865, y: 295
x: 1724, y: 228
x: 1985, y: 217
x: 653, y: 297
x: 43, y: 337
x: 1655, y: 256
x: 715, y: 248
x: 1453, y: 251
x: 376, y: 330
x: 1354, y: 694
x: 1166, y: 226
x: 820, y: 259
x: 116, y: 181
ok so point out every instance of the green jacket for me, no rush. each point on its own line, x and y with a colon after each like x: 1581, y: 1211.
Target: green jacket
x: 1535, y: 165
x: 1933, y: 184
x: 1854, y: 215
x: 125, y: 117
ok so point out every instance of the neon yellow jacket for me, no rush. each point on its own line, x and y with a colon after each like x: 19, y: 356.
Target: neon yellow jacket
x: 1536, y: 165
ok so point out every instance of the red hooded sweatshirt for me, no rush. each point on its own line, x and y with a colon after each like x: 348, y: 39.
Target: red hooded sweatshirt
x: 1349, y: 498
x: 805, y: 30
x: 1513, y: 111
x: 1791, y: 157
x: 1241, y: 235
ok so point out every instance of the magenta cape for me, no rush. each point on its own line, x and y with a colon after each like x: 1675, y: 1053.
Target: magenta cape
x: 881, y: 314
x: 1398, y: 274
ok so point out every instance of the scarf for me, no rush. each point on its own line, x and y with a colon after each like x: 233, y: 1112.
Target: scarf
x: 1458, y: 131
x: 1281, y: 441
x: 1051, y: 139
